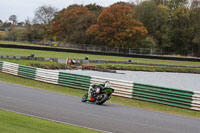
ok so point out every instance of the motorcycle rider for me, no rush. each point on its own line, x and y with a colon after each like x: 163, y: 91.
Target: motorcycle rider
x: 96, y: 88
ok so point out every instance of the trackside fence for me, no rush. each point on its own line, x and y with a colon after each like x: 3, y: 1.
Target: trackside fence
x: 162, y: 95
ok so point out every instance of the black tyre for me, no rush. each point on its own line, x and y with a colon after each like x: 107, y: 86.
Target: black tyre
x: 102, y: 99
x: 84, y: 98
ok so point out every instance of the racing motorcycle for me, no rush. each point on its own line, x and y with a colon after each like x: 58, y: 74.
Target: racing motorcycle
x: 99, y: 97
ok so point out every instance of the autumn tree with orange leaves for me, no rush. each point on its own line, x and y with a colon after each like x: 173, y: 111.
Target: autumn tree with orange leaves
x: 71, y: 24
x: 117, y: 27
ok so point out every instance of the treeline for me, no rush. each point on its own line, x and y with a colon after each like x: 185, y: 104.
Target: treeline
x: 170, y: 25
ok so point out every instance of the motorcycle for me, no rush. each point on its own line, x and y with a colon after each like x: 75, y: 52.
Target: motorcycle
x: 99, y: 98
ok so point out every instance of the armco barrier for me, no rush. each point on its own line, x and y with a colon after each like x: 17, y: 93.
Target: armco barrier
x: 27, y: 72
x: 10, y: 68
x: 168, y: 96
x: 47, y: 76
x: 74, y: 80
x: 1, y: 65
x: 163, y: 95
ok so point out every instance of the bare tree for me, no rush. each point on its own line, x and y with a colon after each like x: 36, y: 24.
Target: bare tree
x: 43, y: 17
x: 195, y: 4
x: 44, y: 14
x: 13, y: 19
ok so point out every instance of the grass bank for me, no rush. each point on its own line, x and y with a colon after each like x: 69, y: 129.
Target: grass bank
x: 17, y: 123
x: 19, y: 43
x: 118, y: 100
x: 64, y: 55
x: 147, y: 68
x: 105, y: 67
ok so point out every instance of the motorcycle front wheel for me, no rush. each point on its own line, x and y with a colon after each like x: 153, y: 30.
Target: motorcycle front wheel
x: 84, y: 98
x: 102, y: 99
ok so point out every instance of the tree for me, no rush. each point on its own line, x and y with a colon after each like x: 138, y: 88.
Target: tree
x: 161, y: 2
x: 146, y: 12
x: 6, y: 25
x: 96, y: 9
x: 195, y: 27
x: 121, y: 3
x: 1, y: 22
x: 20, y: 24
x: 16, y: 33
x: 174, y: 4
x: 116, y: 26
x: 148, y: 42
x: 130, y: 3
x: 43, y: 16
x: 180, y: 33
x: 70, y: 24
x: 13, y: 19
x: 161, y: 31
x: 195, y: 4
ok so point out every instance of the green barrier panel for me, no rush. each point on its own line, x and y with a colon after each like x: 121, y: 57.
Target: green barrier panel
x: 163, y: 95
x: 1, y: 65
x: 161, y: 102
x: 164, y: 89
x: 27, y: 72
x: 74, y: 80
x: 186, y: 99
x: 161, y: 99
x: 75, y: 75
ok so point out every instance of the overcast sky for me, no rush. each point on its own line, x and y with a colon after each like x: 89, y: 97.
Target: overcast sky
x: 24, y: 9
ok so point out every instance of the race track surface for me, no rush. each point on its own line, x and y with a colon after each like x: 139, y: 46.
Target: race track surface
x: 108, y: 117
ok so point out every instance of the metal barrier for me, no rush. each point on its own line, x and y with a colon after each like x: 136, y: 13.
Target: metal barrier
x: 162, y: 95
x: 26, y: 72
x: 47, y: 76
x: 74, y: 80
x: 1, y: 65
x: 196, y: 101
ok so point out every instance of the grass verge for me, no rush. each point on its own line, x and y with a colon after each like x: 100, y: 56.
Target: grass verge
x: 64, y: 55
x: 16, y: 123
x: 131, y: 67
x: 147, y: 68
x: 19, y: 43
x: 118, y: 100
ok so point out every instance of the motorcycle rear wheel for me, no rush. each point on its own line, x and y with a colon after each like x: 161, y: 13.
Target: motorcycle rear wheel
x: 103, y: 99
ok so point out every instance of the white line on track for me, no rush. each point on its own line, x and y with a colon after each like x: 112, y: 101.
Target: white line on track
x: 54, y: 120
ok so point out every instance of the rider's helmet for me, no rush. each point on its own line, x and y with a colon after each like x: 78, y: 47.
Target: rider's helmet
x: 107, y: 84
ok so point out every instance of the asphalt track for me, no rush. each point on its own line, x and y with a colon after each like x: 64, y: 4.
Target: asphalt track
x: 109, y: 117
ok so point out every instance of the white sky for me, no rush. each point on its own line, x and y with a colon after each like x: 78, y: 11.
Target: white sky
x: 24, y: 9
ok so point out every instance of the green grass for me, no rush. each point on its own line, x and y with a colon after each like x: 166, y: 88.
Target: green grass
x: 148, y: 68
x: 118, y: 100
x: 17, y: 123
x: 131, y: 67
x: 19, y: 43
x: 63, y: 55
x: 37, y: 63
x: 27, y: 62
